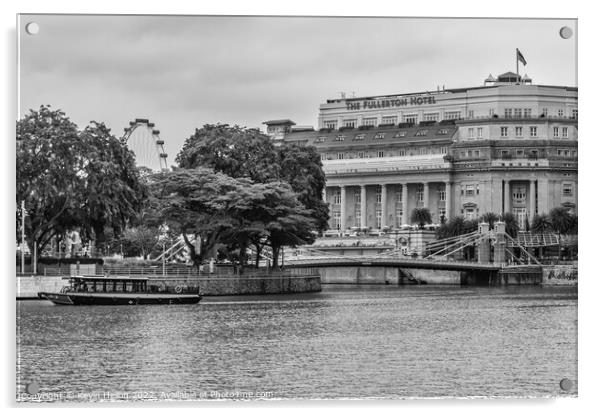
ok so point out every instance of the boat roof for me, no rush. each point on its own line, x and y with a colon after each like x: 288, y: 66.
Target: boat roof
x: 103, y: 277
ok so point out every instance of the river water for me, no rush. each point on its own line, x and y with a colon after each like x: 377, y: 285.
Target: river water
x: 345, y: 342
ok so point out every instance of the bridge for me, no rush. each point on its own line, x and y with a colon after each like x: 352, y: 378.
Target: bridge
x: 500, y: 258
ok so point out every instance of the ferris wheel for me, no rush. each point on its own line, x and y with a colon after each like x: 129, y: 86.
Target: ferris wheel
x: 143, y: 139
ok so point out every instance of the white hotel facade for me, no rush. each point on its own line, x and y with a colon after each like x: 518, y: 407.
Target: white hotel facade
x: 506, y: 146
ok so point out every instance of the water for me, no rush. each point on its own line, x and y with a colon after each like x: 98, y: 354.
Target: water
x: 360, y: 342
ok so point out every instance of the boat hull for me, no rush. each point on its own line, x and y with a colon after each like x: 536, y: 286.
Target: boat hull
x: 75, y: 298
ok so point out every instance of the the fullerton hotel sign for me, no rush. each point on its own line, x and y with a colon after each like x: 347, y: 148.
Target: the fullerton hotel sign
x: 391, y: 102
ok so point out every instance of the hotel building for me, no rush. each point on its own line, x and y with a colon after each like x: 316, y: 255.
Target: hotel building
x: 505, y: 146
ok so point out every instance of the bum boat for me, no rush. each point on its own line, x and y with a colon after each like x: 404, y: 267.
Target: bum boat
x: 116, y: 290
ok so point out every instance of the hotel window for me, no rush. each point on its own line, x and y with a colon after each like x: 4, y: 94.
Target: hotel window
x: 527, y: 113
x: 555, y: 132
x: 520, y: 153
x: 544, y: 112
x: 402, y: 152
x: 420, y: 193
x: 339, y: 138
x: 399, y: 216
x: 533, y: 131
x: 370, y: 122
x: 357, y: 196
x: 507, y: 113
x: 443, y: 131
x: 565, y: 132
x: 381, y: 153
x: 379, y: 135
x: 470, y: 113
x: 521, y: 216
x: 410, y: 118
x: 469, y: 214
x: 379, y: 217
x: 330, y: 124
x: 442, y: 214
x: 518, y: 131
x: 337, y: 220
x: 491, y: 112
x: 504, y: 132
x: 349, y: 123
x: 519, y: 194
x: 560, y: 112
x: 477, y: 153
x: 443, y: 150
x: 441, y: 192
x: 379, y: 196
x: 518, y: 113
x: 567, y: 189
x: 421, y: 132
x: 452, y: 115
x: 360, y: 155
x: 470, y: 133
x: 470, y: 190
x: 320, y: 139
x: 359, y: 137
x: 431, y: 117
x: 337, y: 196
x: 480, y: 132
x: 399, y: 195
x: 390, y: 120
x: 574, y: 113
x: 469, y: 153
x: 400, y: 134
x: 424, y: 150
x: 358, y: 218
x: 341, y: 156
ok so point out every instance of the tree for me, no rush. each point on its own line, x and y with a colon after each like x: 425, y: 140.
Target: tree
x: 562, y: 221
x: 421, y: 216
x: 248, y: 153
x: 195, y: 202
x: 71, y: 179
x: 511, y: 224
x: 140, y: 241
x: 541, y: 223
x: 114, y: 188
x: 232, y: 150
x: 491, y: 218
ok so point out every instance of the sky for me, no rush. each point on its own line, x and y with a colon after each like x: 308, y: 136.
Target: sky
x: 182, y: 72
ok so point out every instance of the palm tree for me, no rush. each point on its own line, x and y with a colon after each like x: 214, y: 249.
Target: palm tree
x: 421, y: 216
x: 491, y: 218
x: 511, y: 224
x: 562, y: 221
x: 541, y: 223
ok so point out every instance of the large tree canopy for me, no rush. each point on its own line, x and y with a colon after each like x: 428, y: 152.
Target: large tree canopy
x: 69, y: 178
x: 210, y: 207
x: 248, y: 153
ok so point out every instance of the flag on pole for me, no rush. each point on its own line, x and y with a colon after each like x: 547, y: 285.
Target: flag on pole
x: 520, y: 57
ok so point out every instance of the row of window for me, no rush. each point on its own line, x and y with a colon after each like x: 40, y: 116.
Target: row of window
x: 381, y: 153
x: 357, y: 195
x: 380, y: 135
x: 448, y: 115
x: 519, y: 153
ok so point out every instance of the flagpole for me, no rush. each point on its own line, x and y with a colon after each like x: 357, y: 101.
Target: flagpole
x: 517, y: 75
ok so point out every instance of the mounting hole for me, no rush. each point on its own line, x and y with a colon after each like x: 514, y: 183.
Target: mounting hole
x: 32, y: 28
x: 566, y: 384
x: 566, y: 32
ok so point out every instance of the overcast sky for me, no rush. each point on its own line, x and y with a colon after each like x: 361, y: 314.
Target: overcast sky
x: 184, y: 72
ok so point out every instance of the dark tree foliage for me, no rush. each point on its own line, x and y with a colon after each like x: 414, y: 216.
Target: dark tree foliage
x: 421, y: 216
x: 456, y: 226
x: 491, y: 218
x: 232, y: 150
x: 512, y: 226
x: 71, y: 179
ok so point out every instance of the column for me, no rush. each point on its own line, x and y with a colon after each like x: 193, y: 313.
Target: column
x: 324, y: 194
x: 507, y: 196
x: 531, y: 200
x: 343, y: 209
x: 426, y: 195
x: 404, y: 203
x: 448, y: 196
x: 383, y: 206
x: 542, y: 196
x: 363, y: 206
